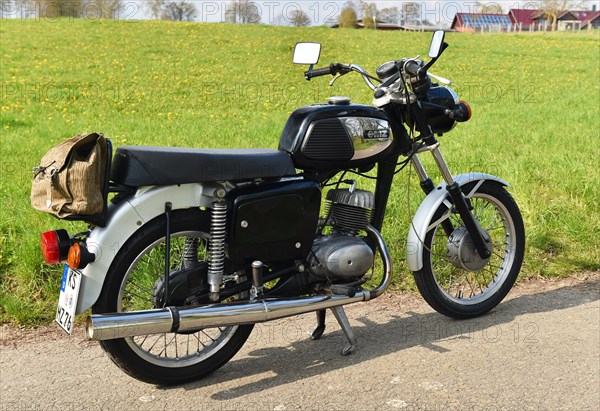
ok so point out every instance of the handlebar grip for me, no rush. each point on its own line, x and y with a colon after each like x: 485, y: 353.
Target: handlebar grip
x: 318, y: 72
x: 412, y: 67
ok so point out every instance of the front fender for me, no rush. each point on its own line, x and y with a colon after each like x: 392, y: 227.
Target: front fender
x: 422, y: 220
x: 125, y: 218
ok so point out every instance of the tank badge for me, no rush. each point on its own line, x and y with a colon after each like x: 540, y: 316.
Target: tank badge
x: 376, y: 135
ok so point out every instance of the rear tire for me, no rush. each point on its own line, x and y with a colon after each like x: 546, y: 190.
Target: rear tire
x: 459, y: 292
x: 163, y: 359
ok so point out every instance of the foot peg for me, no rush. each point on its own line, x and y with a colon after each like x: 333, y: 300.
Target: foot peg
x: 342, y: 289
x: 340, y: 316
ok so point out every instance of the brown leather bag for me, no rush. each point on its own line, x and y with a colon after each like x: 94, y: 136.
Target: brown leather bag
x: 71, y: 178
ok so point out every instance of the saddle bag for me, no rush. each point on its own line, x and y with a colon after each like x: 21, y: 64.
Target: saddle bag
x: 71, y: 181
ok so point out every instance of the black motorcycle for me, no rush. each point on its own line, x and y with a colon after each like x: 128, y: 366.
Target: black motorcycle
x: 196, y: 246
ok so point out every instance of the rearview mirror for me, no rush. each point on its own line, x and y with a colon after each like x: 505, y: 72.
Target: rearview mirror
x: 436, y: 44
x: 307, y: 53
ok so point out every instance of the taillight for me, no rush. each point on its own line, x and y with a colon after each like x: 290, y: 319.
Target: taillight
x: 55, y: 246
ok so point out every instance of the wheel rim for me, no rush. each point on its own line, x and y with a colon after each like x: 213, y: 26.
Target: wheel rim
x: 473, y: 287
x: 167, y: 349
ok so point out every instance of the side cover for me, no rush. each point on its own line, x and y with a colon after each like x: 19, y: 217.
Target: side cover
x: 273, y: 222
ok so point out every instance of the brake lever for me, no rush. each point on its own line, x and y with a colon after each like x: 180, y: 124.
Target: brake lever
x: 337, y: 76
x: 442, y: 80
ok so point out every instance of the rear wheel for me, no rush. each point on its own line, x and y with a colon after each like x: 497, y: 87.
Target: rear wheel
x: 132, y: 283
x: 454, y: 280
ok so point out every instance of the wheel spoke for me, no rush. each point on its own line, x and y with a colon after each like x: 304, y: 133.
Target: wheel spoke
x: 138, y: 288
x: 483, y: 277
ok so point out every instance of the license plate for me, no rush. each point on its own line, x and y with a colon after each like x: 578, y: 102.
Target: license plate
x: 67, y: 301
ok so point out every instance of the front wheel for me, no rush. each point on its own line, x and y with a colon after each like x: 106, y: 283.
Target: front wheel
x: 454, y: 280
x: 131, y: 285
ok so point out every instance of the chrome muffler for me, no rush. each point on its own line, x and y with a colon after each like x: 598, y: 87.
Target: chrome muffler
x: 172, y: 319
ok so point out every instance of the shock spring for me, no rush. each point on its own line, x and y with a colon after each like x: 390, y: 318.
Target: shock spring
x: 216, y: 248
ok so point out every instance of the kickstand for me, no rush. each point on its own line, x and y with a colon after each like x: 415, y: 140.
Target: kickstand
x: 318, y: 332
x: 340, y: 316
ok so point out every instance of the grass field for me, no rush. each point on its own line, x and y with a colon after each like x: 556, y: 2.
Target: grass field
x: 535, y: 100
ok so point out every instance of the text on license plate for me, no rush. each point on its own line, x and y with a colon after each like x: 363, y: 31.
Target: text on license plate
x: 67, y: 301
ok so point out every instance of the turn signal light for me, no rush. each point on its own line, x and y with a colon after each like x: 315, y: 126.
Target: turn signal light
x: 55, y: 246
x: 466, y: 107
x: 79, y: 256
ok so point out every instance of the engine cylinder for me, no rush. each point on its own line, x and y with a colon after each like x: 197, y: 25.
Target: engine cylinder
x: 350, y: 211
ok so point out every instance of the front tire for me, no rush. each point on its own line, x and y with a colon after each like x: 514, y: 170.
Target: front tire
x: 167, y: 358
x: 454, y: 280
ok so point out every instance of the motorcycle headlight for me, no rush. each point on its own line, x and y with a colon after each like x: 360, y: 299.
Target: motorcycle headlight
x: 439, y: 99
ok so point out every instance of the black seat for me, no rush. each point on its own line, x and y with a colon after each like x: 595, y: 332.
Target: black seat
x: 147, y: 166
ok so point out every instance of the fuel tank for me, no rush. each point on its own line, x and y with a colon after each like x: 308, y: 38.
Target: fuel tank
x: 336, y: 135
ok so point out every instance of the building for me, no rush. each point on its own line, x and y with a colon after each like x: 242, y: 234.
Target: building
x: 522, y: 19
x: 391, y: 26
x: 592, y: 22
x: 526, y: 20
x: 480, y: 21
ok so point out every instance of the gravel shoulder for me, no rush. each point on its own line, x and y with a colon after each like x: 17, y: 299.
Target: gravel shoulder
x: 539, y: 350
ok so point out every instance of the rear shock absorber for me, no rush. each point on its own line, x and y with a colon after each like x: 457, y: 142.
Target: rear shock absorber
x: 190, y: 253
x: 216, y: 248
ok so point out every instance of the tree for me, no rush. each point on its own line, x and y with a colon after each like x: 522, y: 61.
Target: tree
x: 298, y: 18
x: 348, y: 18
x: 411, y: 13
x: 369, y: 14
x: 101, y: 9
x: 554, y: 8
x: 156, y: 8
x: 390, y: 15
x: 243, y: 11
x: 60, y: 8
x: 488, y: 8
x: 179, y: 11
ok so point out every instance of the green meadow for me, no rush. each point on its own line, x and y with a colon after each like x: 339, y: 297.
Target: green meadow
x: 535, y: 100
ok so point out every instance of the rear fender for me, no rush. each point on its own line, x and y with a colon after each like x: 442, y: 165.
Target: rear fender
x: 423, y: 217
x: 125, y: 218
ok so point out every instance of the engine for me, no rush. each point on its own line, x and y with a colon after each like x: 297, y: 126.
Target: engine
x: 342, y: 254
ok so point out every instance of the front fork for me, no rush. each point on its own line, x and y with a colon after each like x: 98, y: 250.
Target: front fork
x: 456, y: 195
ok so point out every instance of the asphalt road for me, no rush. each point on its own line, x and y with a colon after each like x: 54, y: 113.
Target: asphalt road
x: 539, y: 350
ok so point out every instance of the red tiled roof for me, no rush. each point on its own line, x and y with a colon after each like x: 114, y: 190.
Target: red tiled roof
x: 581, y: 15
x: 524, y: 16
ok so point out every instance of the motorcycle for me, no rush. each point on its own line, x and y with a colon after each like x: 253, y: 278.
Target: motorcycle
x: 198, y: 245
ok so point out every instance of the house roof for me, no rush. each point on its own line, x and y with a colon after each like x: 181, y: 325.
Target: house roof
x: 579, y: 15
x: 523, y: 16
x: 594, y: 18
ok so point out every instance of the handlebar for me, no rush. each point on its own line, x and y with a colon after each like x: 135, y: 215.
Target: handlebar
x: 341, y: 69
x: 308, y: 74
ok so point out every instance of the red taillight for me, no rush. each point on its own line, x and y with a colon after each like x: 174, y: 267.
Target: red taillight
x: 55, y: 246
x: 50, y: 248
